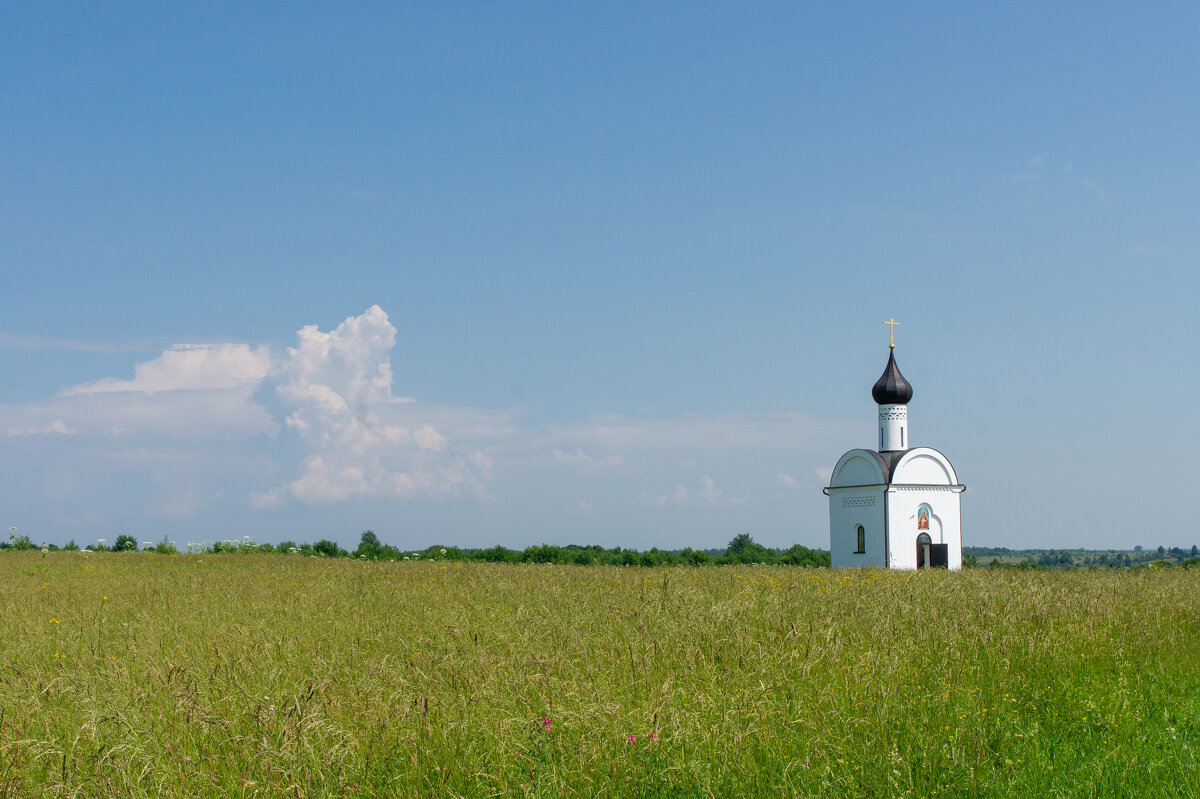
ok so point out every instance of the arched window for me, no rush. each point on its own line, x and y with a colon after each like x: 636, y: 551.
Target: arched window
x: 862, y: 541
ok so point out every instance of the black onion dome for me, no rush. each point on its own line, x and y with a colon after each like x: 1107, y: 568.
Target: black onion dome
x: 891, y: 388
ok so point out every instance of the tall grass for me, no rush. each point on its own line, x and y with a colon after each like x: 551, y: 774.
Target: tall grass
x: 143, y: 675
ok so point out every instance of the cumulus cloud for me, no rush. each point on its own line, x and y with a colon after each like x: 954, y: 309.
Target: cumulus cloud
x: 677, y: 497
x: 333, y: 394
x: 188, y: 392
x: 190, y: 367
x: 709, y: 493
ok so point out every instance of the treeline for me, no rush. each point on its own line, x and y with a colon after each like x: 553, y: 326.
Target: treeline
x: 743, y: 549
x: 1080, y: 558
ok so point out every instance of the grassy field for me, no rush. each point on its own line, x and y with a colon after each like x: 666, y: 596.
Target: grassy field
x: 248, y: 675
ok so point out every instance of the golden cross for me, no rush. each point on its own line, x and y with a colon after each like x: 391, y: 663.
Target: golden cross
x: 891, y: 333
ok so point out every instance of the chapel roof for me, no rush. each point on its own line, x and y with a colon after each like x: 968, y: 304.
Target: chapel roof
x: 891, y: 388
x: 887, y: 460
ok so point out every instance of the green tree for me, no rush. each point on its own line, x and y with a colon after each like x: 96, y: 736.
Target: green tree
x: 327, y: 548
x: 124, y: 543
x: 800, y: 555
x: 368, y: 546
x: 744, y: 549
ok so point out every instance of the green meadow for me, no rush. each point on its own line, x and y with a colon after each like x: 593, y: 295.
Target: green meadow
x: 144, y: 675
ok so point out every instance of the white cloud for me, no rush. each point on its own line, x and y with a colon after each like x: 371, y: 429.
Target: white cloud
x: 149, y: 417
x: 578, y: 456
x: 265, y: 500
x: 677, y: 497
x: 709, y: 493
x: 333, y: 391
x: 787, y: 481
x: 428, y: 438
x: 56, y: 427
x: 190, y: 367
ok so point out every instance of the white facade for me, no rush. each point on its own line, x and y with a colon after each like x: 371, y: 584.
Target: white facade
x: 894, y: 508
x: 858, y: 498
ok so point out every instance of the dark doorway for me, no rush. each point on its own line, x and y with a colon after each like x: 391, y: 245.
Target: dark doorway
x: 924, y: 545
x: 939, y: 556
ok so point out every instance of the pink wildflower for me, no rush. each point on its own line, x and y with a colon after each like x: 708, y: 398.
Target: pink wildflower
x: 547, y: 724
x: 631, y: 739
x: 653, y: 738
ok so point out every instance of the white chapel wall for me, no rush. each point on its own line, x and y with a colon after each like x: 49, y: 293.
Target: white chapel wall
x: 944, y: 525
x: 847, y: 510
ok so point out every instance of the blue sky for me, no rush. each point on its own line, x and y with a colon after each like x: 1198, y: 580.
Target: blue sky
x: 624, y: 266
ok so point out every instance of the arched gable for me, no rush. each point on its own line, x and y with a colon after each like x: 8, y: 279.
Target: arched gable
x: 859, y: 467
x: 924, y: 466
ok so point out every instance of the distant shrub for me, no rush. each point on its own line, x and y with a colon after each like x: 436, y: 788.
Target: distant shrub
x: 328, y: 549
x: 497, y: 554
x: 125, y: 543
x: 799, y: 555
x: 165, y: 547
x: 542, y: 553
x: 744, y: 549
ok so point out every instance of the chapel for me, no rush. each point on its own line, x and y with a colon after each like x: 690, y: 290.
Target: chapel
x: 896, y: 507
